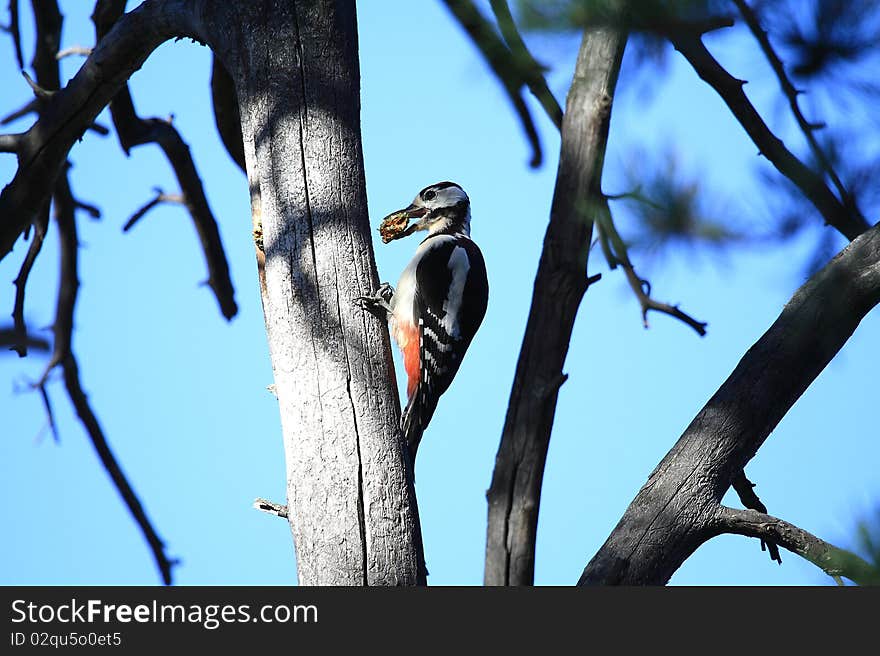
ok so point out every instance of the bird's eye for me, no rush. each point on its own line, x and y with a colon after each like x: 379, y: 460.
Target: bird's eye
x: 429, y: 195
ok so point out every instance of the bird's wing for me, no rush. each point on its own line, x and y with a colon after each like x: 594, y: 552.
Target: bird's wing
x: 450, y: 303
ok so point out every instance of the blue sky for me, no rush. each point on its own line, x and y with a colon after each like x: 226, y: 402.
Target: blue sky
x: 181, y: 393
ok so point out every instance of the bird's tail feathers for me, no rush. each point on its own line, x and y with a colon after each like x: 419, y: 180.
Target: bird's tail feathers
x: 415, y: 417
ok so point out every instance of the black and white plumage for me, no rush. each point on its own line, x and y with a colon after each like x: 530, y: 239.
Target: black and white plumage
x: 439, y: 303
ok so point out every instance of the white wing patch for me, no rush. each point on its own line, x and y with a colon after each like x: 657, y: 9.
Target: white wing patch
x: 403, y: 301
x: 459, y: 265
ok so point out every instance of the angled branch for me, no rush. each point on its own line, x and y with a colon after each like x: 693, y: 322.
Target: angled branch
x: 532, y: 71
x: 807, y: 128
x: 834, y: 561
x: 617, y: 253
x: 10, y: 338
x: 48, y: 22
x: 501, y: 61
x: 30, y: 106
x: 9, y: 143
x: 108, y: 460
x: 15, y: 32
x: 160, y: 197
x: 50, y: 414
x: 83, y: 51
x: 134, y: 131
x: 682, y: 494
x: 811, y: 184
x: 39, y: 92
x: 44, y: 148
x: 270, y: 507
x: 745, y: 489
x: 41, y: 225
x: 64, y: 356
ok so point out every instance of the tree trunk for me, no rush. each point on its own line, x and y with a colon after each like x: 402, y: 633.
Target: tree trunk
x: 515, y: 493
x: 351, y: 504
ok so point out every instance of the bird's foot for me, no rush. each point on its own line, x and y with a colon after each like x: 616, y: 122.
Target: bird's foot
x: 379, y: 299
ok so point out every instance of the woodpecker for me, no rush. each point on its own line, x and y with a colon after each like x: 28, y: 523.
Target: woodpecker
x: 440, y: 300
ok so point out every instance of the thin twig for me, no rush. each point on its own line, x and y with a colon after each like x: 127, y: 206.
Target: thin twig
x: 745, y: 489
x: 9, y: 337
x: 92, y: 210
x: 9, y: 143
x: 73, y: 50
x: 15, y: 32
x: 63, y: 355
x: 50, y: 415
x: 39, y: 92
x: 49, y: 140
x: 617, y: 253
x: 770, y: 146
x: 99, y: 129
x: 531, y: 70
x: 270, y: 507
x: 500, y: 60
x: 108, y: 460
x: 160, y: 197
x: 833, y: 560
x: 134, y: 131
x: 807, y: 128
x: 40, y: 227
x: 31, y: 106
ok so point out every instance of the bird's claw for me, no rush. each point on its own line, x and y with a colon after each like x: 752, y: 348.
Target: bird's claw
x: 381, y: 298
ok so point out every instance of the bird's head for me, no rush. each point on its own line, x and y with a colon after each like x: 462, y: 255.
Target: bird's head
x: 440, y: 208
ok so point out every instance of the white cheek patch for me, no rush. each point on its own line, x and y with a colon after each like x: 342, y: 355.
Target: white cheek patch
x: 448, y: 197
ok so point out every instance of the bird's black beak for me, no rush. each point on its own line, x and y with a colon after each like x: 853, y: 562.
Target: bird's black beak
x: 396, y: 225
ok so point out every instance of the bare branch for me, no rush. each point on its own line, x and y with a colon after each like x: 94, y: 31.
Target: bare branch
x: 70, y: 112
x: 15, y: 32
x: 745, y: 489
x: 270, y: 507
x: 48, y: 21
x: 135, y: 131
x: 63, y: 355
x: 10, y: 337
x: 833, y: 210
x: 639, y: 287
x: 834, y: 561
x: 682, y: 494
x: 531, y: 70
x: 9, y: 143
x: 617, y: 253
x: 93, y: 211
x: 39, y: 92
x: 50, y: 415
x: 515, y: 492
x: 32, y: 105
x: 73, y: 50
x: 160, y: 197
x: 807, y: 128
x: 500, y: 60
x: 41, y: 225
x: 96, y: 434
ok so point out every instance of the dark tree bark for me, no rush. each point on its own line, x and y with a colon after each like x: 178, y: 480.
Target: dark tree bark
x: 679, y: 507
x: 515, y: 493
